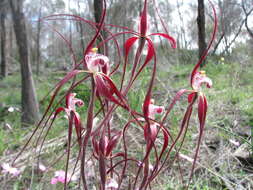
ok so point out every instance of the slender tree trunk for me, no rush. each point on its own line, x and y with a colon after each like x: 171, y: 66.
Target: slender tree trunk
x: 201, y: 28
x: 81, y: 28
x: 70, y: 25
x: 246, y: 18
x: 3, y: 45
x: 11, y: 45
x: 229, y: 44
x: 38, y: 43
x: 217, y: 44
x: 247, y: 27
x: 98, y: 10
x: 30, y: 108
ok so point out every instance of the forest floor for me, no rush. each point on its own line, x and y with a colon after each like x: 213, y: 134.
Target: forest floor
x: 224, y: 161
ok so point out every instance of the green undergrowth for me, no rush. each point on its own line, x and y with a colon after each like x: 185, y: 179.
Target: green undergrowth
x: 230, y: 110
x: 230, y: 97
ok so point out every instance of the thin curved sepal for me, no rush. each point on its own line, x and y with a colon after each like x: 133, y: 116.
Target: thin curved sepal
x: 107, y: 89
x: 128, y: 44
x: 202, y: 110
x: 171, y: 40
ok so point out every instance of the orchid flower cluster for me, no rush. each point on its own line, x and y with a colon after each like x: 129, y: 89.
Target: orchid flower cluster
x: 107, y: 127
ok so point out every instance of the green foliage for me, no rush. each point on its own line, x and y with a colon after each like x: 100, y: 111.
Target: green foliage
x: 232, y: 91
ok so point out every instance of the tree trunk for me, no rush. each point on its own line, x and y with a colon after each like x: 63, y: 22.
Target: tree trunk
x: 81, y: 28
x: 3, y: 44
x: 201, y: 28
x: 30, y: 108
x: 98, y: 10
x: 246, y: 18
x: 10, y: 45
x: 38, y: 43
x: 70, y: 25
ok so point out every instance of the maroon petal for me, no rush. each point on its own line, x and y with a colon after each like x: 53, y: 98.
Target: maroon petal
x: 119, y: 154
x: 95, y: 146
x: 150, y: 55
x: 191, y: 97
x: 68, y: 97
x: 165, y: 141
x: 151, y: 52
x: 128, y: 44
x: 103, y: 143
x: 112, y: 143
x: 104, y: 90
x: 150, y: 132
x: 107, y: 88
x: 153, y: 130
x: 146, y: 132
x: 168, y: 37
x: 78, y: 126
x: 143, y: 22
x: 58, y: 110
x: 202, y: 109
x: 145, y: 107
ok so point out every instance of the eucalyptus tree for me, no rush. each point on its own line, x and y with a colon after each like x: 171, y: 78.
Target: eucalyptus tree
x: 201, y: 28
x: 247, y: 6
x: 30, y: 108
x: 3, y: 6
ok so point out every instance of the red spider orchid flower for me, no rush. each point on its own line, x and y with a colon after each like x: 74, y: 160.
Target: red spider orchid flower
x: 198, y: 80
x: 142, y: 34
x: 71, y: 102
x: 154, y: 109
x: 104, y: 146
x: 107, y: 89
x: 99, y: 65
x: 150, y: 110
x: 97, y: 62
x: 103, y: 150
x: 70, y: 109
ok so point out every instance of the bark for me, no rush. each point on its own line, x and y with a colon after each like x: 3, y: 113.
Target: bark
x: 10, y: 45
x: 217, y: 44
x: 3, y: 45
x: 246, y: 18
x: 81, y: 29
x: 70, y: 25
x: 98, y: 10
x: 38, y: 43
x: 201, y: 28
x: 228, y: 45
x: 247, y: 27
x: 30, y: 108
